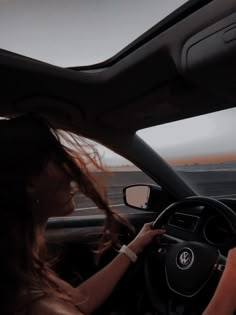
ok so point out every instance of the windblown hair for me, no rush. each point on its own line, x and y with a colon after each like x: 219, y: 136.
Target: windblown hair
x: 28, y: 143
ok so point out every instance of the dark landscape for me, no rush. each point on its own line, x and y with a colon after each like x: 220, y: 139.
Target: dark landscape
x: 215, y: 180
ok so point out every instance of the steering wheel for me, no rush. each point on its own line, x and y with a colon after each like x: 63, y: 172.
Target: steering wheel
x: 188, y: 265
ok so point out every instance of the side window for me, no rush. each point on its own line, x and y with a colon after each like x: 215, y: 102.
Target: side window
x: 119, y: 174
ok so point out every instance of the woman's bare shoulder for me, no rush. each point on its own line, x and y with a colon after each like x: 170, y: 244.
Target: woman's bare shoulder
x: 53, y: 306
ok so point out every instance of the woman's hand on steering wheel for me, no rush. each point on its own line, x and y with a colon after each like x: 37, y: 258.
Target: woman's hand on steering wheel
x: 230, y: 269
x: 223, y: 301
x: 231, y: 260
x: 144, y: 237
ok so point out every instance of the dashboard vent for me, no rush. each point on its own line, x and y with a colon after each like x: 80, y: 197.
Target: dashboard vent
x: 183, y: 221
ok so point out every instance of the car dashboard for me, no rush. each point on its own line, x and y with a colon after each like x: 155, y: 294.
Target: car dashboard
x: 202, y: 224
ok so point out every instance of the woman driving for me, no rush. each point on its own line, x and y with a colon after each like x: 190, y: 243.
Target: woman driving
x: 39, y: 178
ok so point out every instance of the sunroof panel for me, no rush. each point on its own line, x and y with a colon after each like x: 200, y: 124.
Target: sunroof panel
x: 77, y: 32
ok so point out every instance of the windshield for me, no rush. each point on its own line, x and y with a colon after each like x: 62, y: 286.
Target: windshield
x: 201, y: 149
x: 75, y: 32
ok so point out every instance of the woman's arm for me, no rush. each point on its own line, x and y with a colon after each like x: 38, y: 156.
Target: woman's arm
x: 98, y: 288
x: 224, y: 299
x: 52, y: 306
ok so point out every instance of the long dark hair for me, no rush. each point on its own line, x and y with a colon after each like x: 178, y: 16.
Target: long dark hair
x: 27, y: 144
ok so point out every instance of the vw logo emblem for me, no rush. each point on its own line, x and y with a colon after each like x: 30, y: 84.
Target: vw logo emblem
x: 185, y: 258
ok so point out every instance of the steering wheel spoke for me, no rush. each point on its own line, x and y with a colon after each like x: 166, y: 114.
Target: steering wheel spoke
x: 159, y: 249
x: 169, y: 239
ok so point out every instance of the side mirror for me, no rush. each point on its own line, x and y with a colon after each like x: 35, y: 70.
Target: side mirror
x: 143, y: 197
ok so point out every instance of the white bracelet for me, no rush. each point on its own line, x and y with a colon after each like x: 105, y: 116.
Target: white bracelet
x: 129, y: 253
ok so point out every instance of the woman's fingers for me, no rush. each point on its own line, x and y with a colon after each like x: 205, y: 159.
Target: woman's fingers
x: 145, y: 236
x: 158, y: 231
x: 149, y: 226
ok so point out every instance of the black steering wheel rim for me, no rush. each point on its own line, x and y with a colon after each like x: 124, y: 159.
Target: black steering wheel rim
x: 217, y: 205
x: 214, y: 204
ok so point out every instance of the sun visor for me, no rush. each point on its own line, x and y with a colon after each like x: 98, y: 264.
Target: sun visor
x: 209, y: 57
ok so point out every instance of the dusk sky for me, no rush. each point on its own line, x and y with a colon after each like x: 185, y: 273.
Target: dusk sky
x: 211, y: 134
x: 75, y: 32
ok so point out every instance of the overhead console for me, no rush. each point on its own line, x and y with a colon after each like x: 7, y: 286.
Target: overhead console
x: 209, y: 57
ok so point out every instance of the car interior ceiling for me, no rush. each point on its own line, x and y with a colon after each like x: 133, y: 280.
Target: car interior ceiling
x: 156, y: 72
